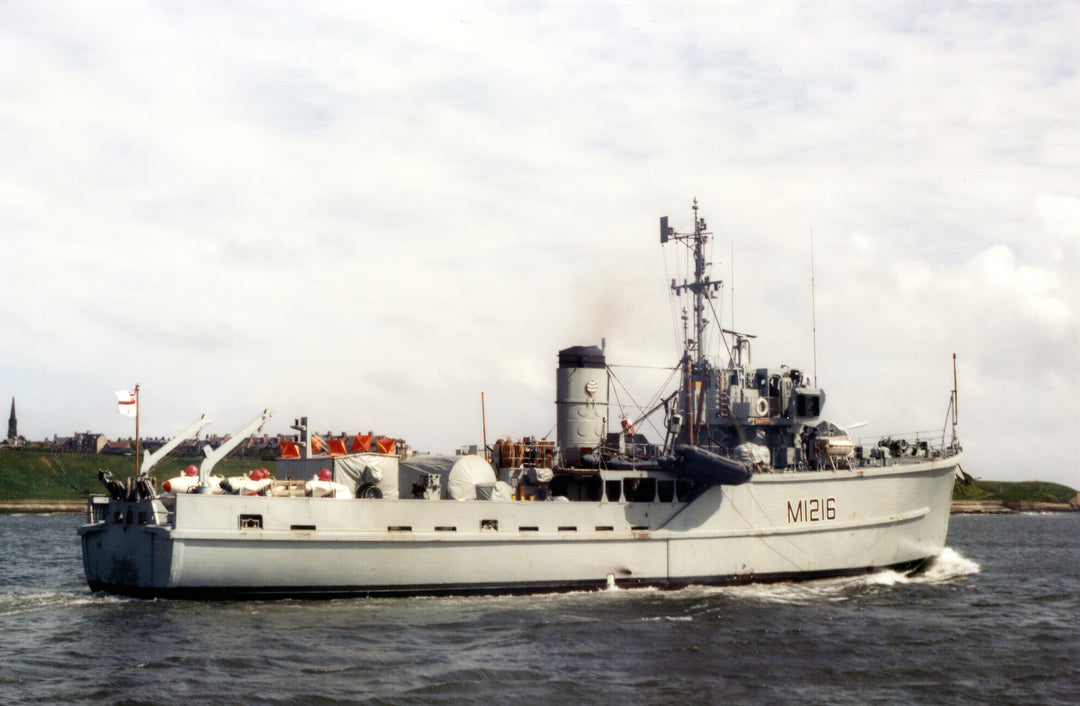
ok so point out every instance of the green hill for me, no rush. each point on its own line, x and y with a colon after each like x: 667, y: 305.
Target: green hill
x: 35, y: 475
x: 1014, y: 492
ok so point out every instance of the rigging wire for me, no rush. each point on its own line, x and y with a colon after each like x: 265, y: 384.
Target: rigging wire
x: 645, y: 367
x: 723, y: 338
x: 658, y: 395
x: 652, y: 401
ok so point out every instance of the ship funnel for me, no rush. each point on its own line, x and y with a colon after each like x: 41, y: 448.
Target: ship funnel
x: 581, y: 401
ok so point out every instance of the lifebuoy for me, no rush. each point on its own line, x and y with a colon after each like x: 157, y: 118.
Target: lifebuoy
x: 762, y: 407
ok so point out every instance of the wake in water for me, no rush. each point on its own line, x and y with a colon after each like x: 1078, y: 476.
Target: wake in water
x: 945, y: 567
x: 19, y: 602
x: 948, y: 566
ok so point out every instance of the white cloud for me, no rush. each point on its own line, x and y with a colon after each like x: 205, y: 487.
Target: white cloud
x: 371, y: 214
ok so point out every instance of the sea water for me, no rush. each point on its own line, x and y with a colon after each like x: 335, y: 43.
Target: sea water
x: 996, y: 619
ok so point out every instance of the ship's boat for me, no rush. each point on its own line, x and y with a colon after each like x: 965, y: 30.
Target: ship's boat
x: 746, y: 482
x: 708, y: 467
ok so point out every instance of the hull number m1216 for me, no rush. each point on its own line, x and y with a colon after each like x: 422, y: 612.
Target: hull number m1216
x: 811, y: 510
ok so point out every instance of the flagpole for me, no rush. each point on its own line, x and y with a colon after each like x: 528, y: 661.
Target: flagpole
x: 137, y: 469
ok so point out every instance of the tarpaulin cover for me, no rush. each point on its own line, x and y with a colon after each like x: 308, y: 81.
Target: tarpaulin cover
x: 352, y: 471
x: 356, y: 470
x: 460, y: 474
x: 754, y: 454
x: 498, y: 491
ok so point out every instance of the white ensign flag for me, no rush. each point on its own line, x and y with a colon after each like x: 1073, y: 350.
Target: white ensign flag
x: 127, y: 404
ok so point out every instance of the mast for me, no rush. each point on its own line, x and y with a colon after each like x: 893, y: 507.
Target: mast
x: 137, y: 429
x: 701, y: 288
x: 813, y: 304
x: 956, y: 401
x: 483, y: 423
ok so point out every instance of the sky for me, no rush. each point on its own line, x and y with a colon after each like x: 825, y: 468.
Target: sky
x: 372, y: 214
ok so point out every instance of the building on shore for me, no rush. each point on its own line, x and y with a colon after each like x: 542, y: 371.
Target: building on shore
x: 13, y: 438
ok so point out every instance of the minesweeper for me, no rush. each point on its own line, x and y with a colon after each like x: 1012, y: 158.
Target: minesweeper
x: 749, y: 483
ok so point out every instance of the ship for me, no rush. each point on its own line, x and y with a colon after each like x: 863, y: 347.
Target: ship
x: 749, y: 483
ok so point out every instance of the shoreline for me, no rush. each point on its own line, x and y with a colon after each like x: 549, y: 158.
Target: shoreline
x: 43, y: 507
x: 998, y: 507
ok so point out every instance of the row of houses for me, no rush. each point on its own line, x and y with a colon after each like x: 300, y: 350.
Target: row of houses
x: 265, y: 445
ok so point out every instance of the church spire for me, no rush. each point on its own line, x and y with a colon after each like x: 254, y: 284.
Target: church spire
x: 13, y: 423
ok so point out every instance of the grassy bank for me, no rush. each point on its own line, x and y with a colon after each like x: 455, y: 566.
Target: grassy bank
x: 1014, y: 492
x: 28, y: 475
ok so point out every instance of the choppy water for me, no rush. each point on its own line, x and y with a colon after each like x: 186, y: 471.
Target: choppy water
x: 996, y: 620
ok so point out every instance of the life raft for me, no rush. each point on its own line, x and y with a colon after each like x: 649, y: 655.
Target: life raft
x: 704, y: 466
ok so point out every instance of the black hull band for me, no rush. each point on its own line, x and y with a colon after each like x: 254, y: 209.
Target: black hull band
x: 526, y: 587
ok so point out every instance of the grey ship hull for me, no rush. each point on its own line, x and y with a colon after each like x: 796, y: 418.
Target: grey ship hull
x: 777, y: 526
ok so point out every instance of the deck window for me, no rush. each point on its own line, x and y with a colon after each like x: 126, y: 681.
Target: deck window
x: 578, y: 488
x: 640, y: 490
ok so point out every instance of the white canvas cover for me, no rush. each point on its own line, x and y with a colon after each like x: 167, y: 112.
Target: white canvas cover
x: 756, y: 454
x: 498, y: 491
x: 380, y: 470
x: 352, y: 471
x: 460, y: 474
